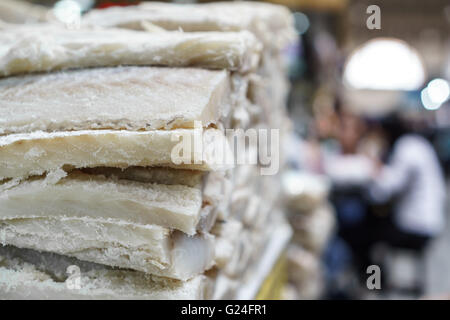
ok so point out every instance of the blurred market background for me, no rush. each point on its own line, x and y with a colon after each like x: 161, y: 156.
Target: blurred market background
x: 369, y: 157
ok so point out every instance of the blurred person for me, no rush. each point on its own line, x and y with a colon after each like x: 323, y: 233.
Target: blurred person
x: 350, y: 172
x: 352, y: 128
x: 410, y: 177
x: 412, y: 174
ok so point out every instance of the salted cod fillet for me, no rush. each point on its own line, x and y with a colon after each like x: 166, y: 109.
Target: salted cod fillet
x: 115, y: 117
x: 132, y: 98
x: 26, y: 274
x: 270, y: 23
x: 106, y: 229
x: 105, y: 199
x: 24, y: 155
x: 150, y: 249
x: 47, y: 47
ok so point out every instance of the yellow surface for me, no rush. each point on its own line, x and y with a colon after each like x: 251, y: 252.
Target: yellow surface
x: 313, y: 5
x: 320, y: 5
x: 272, y: 286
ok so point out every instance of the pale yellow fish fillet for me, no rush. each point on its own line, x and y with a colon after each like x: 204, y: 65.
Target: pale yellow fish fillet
x: 28, y: 275
x: 22, y: 155
x: 227, y: 240
x: 151, y: 249
x: 121, y: 242
x: 272, y: 24
x: 132, y: 98
x: 160, y: 175
x: 106, y: 200
x: 214, y: 185
x: 47, y: 47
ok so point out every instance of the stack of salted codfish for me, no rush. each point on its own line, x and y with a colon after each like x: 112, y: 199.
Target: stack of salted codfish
x: 312, y: 220
x: 89, y: 122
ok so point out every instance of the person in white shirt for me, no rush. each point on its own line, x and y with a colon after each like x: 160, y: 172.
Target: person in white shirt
x: 412, y: 177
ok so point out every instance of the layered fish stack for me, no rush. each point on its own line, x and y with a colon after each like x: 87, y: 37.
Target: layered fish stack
x: 312, y: 219
x: 114, y: 156
x: 254, y: 197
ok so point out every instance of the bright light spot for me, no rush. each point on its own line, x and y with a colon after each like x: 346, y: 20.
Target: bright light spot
x: 293, y: 185
x: 301, y: 22
x: 438, y: 90
x: 385, y: 64
x: 426, y: 101
x: 435, y: 94
x: 67, y: 11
